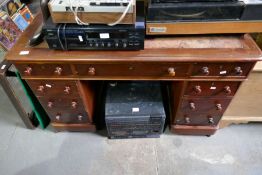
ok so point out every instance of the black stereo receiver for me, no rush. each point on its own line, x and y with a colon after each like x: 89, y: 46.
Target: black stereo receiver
x: 97, y: 36
x: 134, y: 110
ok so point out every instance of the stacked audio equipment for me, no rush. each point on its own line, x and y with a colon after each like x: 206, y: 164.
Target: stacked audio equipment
x: 97, y: 36
x: 134, y: 110
x: 203, y: 17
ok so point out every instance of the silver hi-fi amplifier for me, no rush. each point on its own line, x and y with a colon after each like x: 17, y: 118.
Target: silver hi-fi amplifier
x: 93, y: 11
x: 88, y: 6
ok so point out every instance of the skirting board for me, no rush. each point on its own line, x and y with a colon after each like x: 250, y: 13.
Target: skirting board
x: 228, y: 120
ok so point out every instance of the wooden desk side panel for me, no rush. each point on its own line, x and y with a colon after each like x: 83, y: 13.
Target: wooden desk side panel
x: 87, y: 93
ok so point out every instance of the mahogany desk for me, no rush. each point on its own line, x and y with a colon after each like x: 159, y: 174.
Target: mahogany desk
x: 204, y: 74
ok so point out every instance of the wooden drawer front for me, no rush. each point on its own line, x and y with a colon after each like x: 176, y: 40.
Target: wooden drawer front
x: 56, y: 70
x: 234, y: 69
x: 137, y: 69
x: 54, y: 88
x: 64, y: 110
x: 52, y: 104
x: 211, y: 88
x: 68, y: 116
x: 204, y: 106
x: 200, y: 119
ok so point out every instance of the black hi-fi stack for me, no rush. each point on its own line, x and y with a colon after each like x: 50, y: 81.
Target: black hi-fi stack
x: 134, y: 110
x: 73, y: 36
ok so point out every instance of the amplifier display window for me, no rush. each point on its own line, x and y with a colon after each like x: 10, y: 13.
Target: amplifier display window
x: 95, y: 35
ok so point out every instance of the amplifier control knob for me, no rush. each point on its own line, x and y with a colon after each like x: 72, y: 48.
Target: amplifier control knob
x: 124, y: 45
x: 108, y: 44
x: 96, y: 44
x: 116, y: 44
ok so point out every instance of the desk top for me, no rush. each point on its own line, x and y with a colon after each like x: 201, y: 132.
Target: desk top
x: 171, y: 49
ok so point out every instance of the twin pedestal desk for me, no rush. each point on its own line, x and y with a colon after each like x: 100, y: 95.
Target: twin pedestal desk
x: 204, y: 74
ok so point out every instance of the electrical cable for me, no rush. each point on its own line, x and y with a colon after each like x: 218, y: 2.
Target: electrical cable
x: 123, y: 15
x: 59, y: 39
x: 66, y: 48
x: 77, y: 19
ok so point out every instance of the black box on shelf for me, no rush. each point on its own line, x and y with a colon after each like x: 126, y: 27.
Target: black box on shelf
x: 134, y: 110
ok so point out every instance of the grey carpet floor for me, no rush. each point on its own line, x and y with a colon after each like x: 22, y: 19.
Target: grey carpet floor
x: 233, y: 150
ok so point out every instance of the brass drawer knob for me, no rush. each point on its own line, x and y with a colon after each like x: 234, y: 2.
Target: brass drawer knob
x: 192, y: 106
x: 227, y: 90
x: 28, y: 70
x: 238, y: 70
x: 40, y: 88
x: 187, y: 120
x: 171, y: 71
x: 67, y: 90
x: 58, y: 70
x: 58, y: 117
x: 205, y: 70
x: 74, y: 104
x: 219, y: 107
x: 50, y: 104
x: 197, y: 89
x: 91, y: 71
x: 211, y: 120
x: 80, y: 117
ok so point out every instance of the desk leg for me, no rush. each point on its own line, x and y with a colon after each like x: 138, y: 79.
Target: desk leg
x: 28, y: 119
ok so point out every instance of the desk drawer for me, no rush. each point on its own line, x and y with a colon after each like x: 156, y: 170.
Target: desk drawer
x: 52, y: 103
x: 197, y: 120
x: 134, y: 69
x: 51, y: 88
x: 211, y: 106
x: 211, y: 88
x: 235, y: 69
x: 64, y: 110
x: 54, y: 70
x: 68, y: 116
